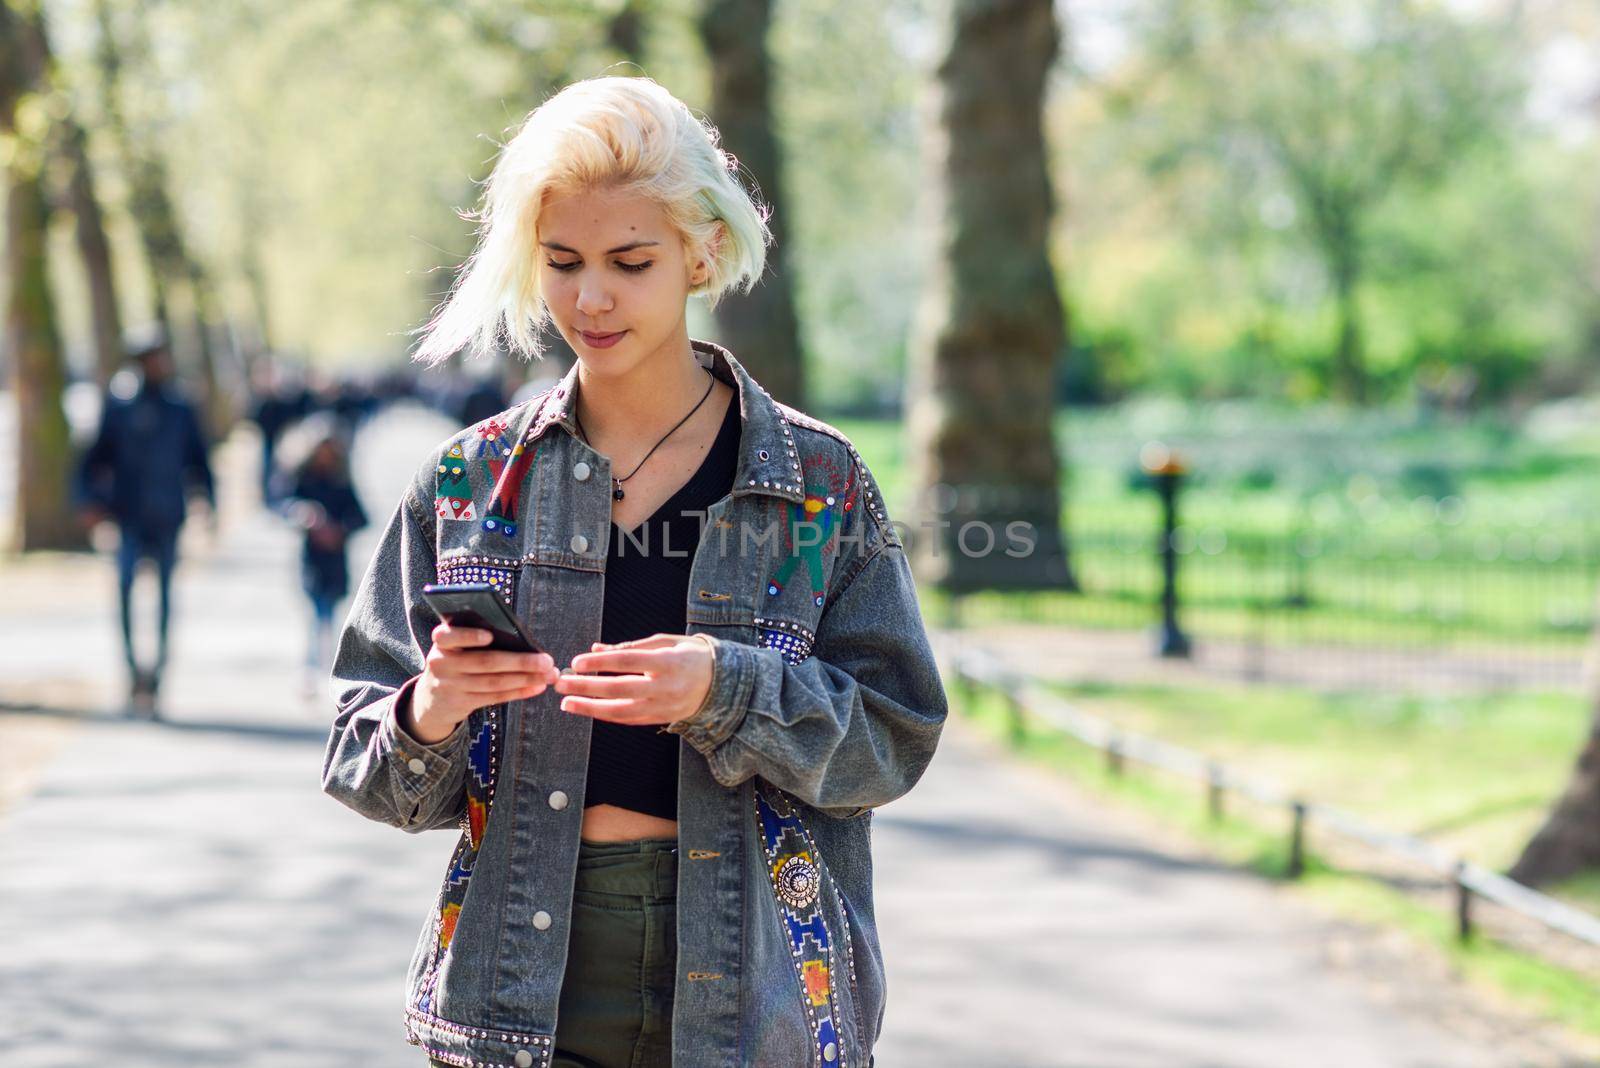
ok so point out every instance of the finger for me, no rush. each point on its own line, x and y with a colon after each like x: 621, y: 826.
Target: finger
x: 494, y: 661
x: 614, y: 686
x: 480, y: 684
x: 447, y: 637
x: 618, y: 711
x: 642, y: 661
x: 655, y: 641
x: 500, y: 697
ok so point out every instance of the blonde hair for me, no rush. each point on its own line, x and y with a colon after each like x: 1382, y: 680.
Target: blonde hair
x: 613, y: 133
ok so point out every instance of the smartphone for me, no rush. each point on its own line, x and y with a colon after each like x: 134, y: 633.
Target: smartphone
x: 477, y: 605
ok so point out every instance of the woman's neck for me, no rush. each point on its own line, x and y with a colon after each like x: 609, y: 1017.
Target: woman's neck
x: 643, y: 404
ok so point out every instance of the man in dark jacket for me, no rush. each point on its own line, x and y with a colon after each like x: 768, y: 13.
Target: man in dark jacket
x: 149, y: 451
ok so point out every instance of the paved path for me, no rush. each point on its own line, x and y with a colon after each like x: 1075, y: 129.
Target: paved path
x: 182, y: 894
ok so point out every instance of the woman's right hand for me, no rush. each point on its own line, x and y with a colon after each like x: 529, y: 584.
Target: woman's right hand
x: 461, y: 677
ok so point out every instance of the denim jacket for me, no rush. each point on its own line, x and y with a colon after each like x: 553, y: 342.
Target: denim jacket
x: 825, y: 702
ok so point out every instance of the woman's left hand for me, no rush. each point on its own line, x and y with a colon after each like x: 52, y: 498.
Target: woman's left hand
x: 666, y: 678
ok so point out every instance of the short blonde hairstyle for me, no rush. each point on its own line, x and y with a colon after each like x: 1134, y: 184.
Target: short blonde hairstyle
x: 618, y: 134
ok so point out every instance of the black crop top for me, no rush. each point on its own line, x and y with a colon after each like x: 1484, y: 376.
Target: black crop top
x: 647, y: 592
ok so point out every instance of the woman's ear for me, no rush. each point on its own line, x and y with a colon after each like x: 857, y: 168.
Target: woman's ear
x: 702, y: 267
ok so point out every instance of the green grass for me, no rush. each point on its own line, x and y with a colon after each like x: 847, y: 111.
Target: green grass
x: 1251, y: 837
x: 1472, y: 773
x: 1322, y: 525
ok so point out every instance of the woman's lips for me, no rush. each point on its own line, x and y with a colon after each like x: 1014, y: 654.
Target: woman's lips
x: 601, y: 341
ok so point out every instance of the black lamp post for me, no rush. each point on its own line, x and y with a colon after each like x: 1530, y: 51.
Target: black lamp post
x: 1166, y: 470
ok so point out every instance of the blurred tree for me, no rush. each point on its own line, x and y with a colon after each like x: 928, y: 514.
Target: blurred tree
x: 991, y: 326
x: 1331, y: 106
x: 759, y: 327
x: 42, y: 516
x: 94, y: 248
x: 1568, y: 842
x: 846, y: 81
x: 625, y: 30
x: 174, y: 271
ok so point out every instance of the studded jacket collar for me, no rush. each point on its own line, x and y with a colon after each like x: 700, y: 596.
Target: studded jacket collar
x: 825, y: 703
x: 768, y: 462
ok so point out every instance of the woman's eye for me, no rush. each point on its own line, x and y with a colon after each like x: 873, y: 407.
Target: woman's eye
x: 562, y: 266
x: 635, y: 267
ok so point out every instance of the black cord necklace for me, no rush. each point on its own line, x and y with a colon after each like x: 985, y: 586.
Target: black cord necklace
x: 616, y: 483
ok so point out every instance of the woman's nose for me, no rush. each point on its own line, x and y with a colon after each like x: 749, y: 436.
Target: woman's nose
x: 593, y: 300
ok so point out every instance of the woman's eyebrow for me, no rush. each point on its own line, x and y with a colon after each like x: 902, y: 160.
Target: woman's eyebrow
x: 609, y: 252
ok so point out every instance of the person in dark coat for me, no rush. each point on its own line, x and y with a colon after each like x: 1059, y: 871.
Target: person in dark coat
x: 318, y: 497
x: 149, y: 454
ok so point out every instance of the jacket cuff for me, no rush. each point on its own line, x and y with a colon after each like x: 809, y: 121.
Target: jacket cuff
x: 726, y: 702
x: 419, y: 768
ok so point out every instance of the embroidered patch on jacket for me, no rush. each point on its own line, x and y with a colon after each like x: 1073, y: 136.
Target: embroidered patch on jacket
x: 498, y: 573
x: 483, y: 765
x: 810, y: 525
x: 790, y: 639
x: 797, y: 884
x: 452, y: 498
x: 507, y: 499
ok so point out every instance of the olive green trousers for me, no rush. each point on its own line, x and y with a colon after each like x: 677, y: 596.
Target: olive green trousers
x: 616, y: 997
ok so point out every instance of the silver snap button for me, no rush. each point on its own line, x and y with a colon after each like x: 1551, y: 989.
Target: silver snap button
x: 580, y: 471
x: 558, y: 800
x: 580, y: 544
x: 830, y: 1051
x: 523, y: 1059
x: 541, y: 920
x: 762, y: 456
x: 416, y: 765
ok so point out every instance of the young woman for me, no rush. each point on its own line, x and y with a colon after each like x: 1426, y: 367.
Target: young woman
x: 665, y: 816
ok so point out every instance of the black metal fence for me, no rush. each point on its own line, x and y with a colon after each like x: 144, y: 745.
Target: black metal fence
x: 976, y: 668
x: 1509, y: 607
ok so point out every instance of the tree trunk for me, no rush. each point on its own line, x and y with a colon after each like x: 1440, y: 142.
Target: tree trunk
x: 1349, y: 358
x: 990, y: 329
x: 218, y: 394
x: 1594, y: 278
x: 760, y: 327
x: 42, y: 515
x: 173, y: 269
x: 1569, y: 840
x: 253, y: 267
x: 95, y: 251
x: 625, y: 31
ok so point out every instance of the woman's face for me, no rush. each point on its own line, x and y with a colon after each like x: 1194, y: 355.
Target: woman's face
x: 614, y: 274
x: 325, y: 458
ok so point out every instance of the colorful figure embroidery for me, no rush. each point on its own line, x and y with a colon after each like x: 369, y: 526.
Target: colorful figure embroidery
x: 494, y: 447
x: 830, y: 496
x: 797, y: 884
x: 503, y: 506
x: 453, y: 497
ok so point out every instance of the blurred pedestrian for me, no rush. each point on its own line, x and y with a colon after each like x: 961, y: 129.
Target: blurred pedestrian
x: 316, y: 495
x: 279, y: 401
x: 149, y: 452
